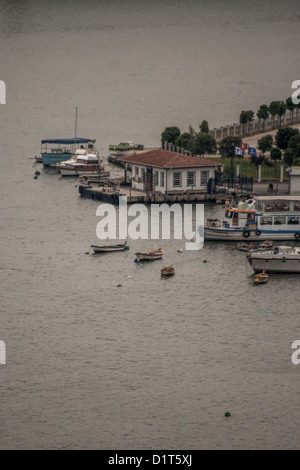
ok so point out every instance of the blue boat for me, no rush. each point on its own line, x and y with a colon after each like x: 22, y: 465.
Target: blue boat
x: 59, y: 150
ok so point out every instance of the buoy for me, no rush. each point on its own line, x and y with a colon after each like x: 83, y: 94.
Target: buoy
x: 227, y: 414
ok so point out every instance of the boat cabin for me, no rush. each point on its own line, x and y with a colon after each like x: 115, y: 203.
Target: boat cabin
x: 240, y: 218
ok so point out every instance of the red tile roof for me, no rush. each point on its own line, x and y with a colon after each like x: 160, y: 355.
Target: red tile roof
x: 166, y: 159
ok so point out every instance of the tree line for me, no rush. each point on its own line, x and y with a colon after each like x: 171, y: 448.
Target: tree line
x: 286, y: 145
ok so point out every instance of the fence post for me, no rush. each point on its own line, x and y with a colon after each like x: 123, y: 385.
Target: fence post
x: 259, y: 174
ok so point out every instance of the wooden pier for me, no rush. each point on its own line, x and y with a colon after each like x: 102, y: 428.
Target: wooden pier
x: 105, y: 195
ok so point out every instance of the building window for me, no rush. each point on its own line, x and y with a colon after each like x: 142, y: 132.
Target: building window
x: 177, y: 179
x: 191, y: 178
x: 204, y: 177
x: 156, y: 178
x: 143, y: 175
x: 136, y: 173
x: 162, y: 179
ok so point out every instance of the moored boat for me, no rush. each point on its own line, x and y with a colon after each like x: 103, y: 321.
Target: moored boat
x: 167, y: 271
x: 83, y: 162
x: 150, y: 255
x: 123, y: 146
x: 280, y: 259
x: 109, y: 248
x: 260, y: 278
x: 59, y: 150
x: 262, y: 218
x: 242, y: 246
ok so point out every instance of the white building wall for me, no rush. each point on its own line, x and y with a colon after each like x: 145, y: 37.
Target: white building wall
x: 295, y: 180
x: 137, y: 178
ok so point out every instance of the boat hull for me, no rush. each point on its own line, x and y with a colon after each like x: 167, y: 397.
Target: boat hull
x: 108, y: 249
x: 54, y: 158
x: 275, y: 265
x: 237, y: 235
x: 144, y: 257
x: 78, y: 171
x: 167, y: 271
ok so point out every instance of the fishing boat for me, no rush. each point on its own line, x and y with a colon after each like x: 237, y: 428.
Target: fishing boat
x: 258, y: 219
x: 167, y: 271
x: 109, y: 248
x: 150, y: 255
x: 123, y: 146
x: 260, y: 278
x: 280, y: 259
x: 83, y: 162
x: 59, y: 150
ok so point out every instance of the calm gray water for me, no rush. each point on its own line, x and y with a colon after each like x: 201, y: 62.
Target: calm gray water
x: 152, y: 364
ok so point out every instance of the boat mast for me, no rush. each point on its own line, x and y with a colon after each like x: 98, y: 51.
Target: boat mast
x: 76, y: 122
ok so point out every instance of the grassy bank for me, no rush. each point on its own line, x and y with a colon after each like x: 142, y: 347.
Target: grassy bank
x: 250, y: 170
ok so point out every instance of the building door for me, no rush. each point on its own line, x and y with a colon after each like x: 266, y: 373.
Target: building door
x: 149, y: 180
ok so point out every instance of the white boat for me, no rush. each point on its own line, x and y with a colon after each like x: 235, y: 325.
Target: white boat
x: 266, y: 245
x: 109, y: 248
x: 150, y: 255
x: 281, y: 259
x: 262, y: 218
x: 84, y: 161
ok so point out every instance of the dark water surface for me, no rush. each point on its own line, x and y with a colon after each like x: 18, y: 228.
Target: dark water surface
x: 152, y: 364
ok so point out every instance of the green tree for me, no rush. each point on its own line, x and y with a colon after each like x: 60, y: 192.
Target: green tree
x: 246, y: 117
x: 204, y: 143
x: 263, y: 114
x: 284, y: 135
x: 291, y: 107
x: 294, y: 145
x: 227, y: 148
x: 292, y: 153
x: 265, y: 143
x: 170, y: 135
x: 282, y: 110
x: 275, y: 154
x: 185, y: 141
x: 288, y: 157
x: 204, y: 128
x: 276, y: 108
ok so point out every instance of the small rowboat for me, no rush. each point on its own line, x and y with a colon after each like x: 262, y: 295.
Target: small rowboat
x: 150, y: 255
x: 167, y: 271
x: 260, y: 278
x: 109, y: 248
